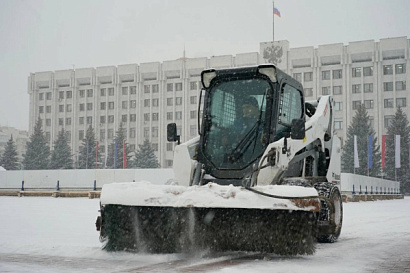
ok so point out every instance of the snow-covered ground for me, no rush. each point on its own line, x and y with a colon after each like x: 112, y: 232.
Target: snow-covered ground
x: 45, y: 234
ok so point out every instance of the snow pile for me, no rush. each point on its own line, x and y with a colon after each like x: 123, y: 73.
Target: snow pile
x: 2, y: 169
x: 210, y: 196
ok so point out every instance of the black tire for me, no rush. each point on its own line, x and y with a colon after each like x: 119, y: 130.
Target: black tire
x: 330, y: 218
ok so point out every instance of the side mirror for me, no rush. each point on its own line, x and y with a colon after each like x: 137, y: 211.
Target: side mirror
x: 172, y: 134
x: 298, y: 129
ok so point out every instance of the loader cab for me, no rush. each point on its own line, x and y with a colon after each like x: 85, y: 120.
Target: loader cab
x: 232, y: 137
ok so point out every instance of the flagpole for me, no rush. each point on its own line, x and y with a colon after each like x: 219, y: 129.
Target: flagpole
x: 273, y: 22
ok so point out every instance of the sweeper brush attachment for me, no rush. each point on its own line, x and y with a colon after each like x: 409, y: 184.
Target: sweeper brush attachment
x: 165, y: 229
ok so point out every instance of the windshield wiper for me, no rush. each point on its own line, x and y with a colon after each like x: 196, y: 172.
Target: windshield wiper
x: 244, y: 144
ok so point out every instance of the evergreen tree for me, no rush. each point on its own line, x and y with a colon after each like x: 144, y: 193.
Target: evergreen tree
x: 145, y: 157
x: 61, y: 157
x: 37, y: 150
x: 120, y: 139
x: 360, y: 127
x: 9, y: 160
x: 88, y: 157
x: 399, y: 126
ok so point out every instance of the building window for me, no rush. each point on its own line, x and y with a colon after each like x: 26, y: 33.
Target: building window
x: 124, y: 104
x: 192, y: 130
x: 155, y: 146
x: 133, y: 90
x: 326, y: 75
x: 193, y: 99
x: 169, y: 115
x: 133, y: 117
x: 111, y: 91
x: 388, y: 103
x: 89, y: 93
x: 178, y: 100
x: 170, y: 146
x: 388, y: 86
x: 338, y: 124
x: 193, y: 114
x: 48, y: 109
x: 111, y: 105
x: 338, y: 106
x: 49, y: 95
x: 41, y: 96
x: 89, y: 106
x: 388, y: 120
x: 169, y: 163
x: 169, y: 101
x: 124, y: 118
x: 133, y: 104
x: 401, y: 102
x: 308, y: 92
x: 81, y: 93
x: 69, y: 108
x: 308, y: 76
x: 69, y: 94
x: 89, y: 120
x: 82, y: 106
x: 178, y: 86
x: 110, y: 119
x: 61, y: 108
x: 154, y: 131
x: 41, y: 109
x: 124, y: 90
x: 368, y: 71
x: 337, y: 74
x: 400, y: 85
x: 368, y: 87
x: 146, y: 103
x: 146, y: 117
x: 48, y: 136
x: 170, y: 87
x: 356, y: 72
x: 146, y: 132
x: 337, y: 90
x: 110, y: 133
x: 102, y: 119
x: 388, y: 69
x: 61, y: 121
x: 81, y: 134
x: 146, y: 89
x: 68, y: 135
x: 356, y: 104
x: 102, y: 136
x: 102, y: 92
x: 61, y: 95
x: 178, y: 115
x: 193, y: 85
x: 400, y: 68
x: 154, y: 116
x: 68, y: 121
x: 155, y: 88
x: 155, y: 102
x: 371, y: 122
x: 132, y: 133
x: 48, y: 122
x: 297, y: 76
x: 356, y: 88
x: 326, y: 90
x: 368, y: 104
x: 103, y: 105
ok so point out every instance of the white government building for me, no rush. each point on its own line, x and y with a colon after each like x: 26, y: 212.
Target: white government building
x: 146, y: 97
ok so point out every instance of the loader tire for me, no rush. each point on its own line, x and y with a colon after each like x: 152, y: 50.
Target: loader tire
x: 331, y: 215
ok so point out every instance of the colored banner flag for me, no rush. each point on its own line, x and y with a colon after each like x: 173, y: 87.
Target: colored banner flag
x: 370, y: 152
x: 115, y: 154
x: 397, y: 151
x: 125, y: 155
x: 383, y: 150
x: 106, y: 153
x: 96, y: 156
x: 355, y: 153
x: 276, y: 11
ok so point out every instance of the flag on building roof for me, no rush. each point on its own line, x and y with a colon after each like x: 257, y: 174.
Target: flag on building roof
x: 276, y: 11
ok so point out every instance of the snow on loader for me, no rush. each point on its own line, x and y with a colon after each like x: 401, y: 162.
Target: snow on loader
x: 262, y: 175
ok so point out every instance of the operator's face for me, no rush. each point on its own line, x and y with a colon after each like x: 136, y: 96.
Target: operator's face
x: 249, y: 110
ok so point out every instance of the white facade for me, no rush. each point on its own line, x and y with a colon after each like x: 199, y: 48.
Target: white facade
x: 20, y: 138
x: 148, y: 96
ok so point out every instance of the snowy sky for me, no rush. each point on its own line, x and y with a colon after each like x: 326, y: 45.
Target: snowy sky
x: 49, y: 35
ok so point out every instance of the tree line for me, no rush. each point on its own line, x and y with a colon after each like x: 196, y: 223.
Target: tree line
x: 38, y: 155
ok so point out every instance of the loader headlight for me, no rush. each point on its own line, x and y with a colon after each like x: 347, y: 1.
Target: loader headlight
x: 268, y: 70
x: 207, y: 76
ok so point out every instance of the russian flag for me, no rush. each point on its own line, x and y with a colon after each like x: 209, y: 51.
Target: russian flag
x: 276, y: 11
